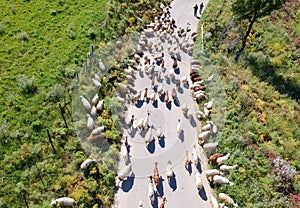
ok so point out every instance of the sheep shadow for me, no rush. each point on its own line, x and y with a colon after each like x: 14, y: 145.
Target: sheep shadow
x: 173, y: 80
x: 180, y: 90
x: 143, y: 133
x: 151, y: 147
x: 155, y: 202
x: 141, y: 73
x: 198, y: 166
x: 162, y: 97
x: 168, y: 81
x: 169, y: 105
x: 189, y: 168
x: 128, y: 183
x: 177, y: 70
x: 173, y: 183
x: 160, y: 187
x: 193, y: 122
x: 161, y: 142
x: 181, y: 136
x: 155, y: 104
x: 132, y: 133
x: 202, y: 194
x: 176, y: 102
x: 139, y: 104
x: 186, y: 85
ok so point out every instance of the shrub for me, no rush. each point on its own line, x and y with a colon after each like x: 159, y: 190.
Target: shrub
x: 23, y: 36
x: 36, y: 125
x: 27, y: 85
x: 2, y: 29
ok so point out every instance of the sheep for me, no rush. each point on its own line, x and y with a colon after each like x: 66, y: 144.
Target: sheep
x: 148, y: 137
x: 214, y: 201
x: 149, y: 31
x: 178, y: 127
x: 151, y: 190
x: 124, y: 152
x: 125, y: 172
x: 228, y: 200
x: 227, y: 167
x: 186, y: 160
x: 156, y: 174
x: 184, y: 108
x: 210, y: 146
x: 206, y: 111
x: 209, y: 104
x: 146, y: 121
x: 160, y: 89
x: 153, y: 96
x: 189, y: 113
x: 184, y: 79
x: 221, y: 180
x: 166, y: 99
x: 198, y: 96
x: 204, y: 135
x: 136, y: 97
x: 162, y: 205
x: 90, y: 122
x: 174, y: 94
x: 96, y: 83
x: 212, y: 172
x: 63, y: 201
x: 129, y: 70
x: 200, y: 114
x: 214, y: 157
x: 195, y: 156
x: 199, y: 183
x: 95, y: 99
x: 86, y: 104
x: 98, y: 130
x: 210, y: 78
x: 170, y: 172
x: 140, y: 123
x: 223, y: 159
x: 101, y: 65
x: 94, y: 111
x: 159, y: 133
x: 100, y: 105
x: 87, y: 163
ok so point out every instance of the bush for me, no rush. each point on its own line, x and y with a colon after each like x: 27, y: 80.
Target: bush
x: 27, y: 85
x: 23, y: 36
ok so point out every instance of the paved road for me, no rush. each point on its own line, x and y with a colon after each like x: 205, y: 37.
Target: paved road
x: 182, y: 191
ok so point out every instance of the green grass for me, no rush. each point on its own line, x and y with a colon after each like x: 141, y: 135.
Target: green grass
x: 262, y: 103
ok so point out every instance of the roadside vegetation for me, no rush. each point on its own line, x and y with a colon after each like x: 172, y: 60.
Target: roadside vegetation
x: 43, y: 49
x: 262, y: 89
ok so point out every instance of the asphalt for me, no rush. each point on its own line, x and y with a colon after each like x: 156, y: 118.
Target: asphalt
x: 182, y: 191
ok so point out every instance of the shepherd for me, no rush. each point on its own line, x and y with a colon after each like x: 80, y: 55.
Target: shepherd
x: 201, y: 8
x: 195, y: 10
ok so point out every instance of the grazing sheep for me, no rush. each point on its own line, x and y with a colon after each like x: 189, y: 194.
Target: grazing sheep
x: 199, y: 183
x: 90, y: 122
x: 166, y: 99
x: 148, y: 137
x: 63, y: 201
x: 101, y: 66
x: 212, y: 172
x: 221, y: 180
x: 214, y: 157
x: 206, y: 111
x: 200, y: 114
x: 204, y: 135
x: 156, y: 174
x: 225, y: 198
x: 170, y: 172
x: 189, y: 113
x: 153, y: 96
x: 87, y: 163
x: 195, y: 156
x: 210, y: 146
x: 146, y: 121
x: 209, y: 104
x: 140, y: 204
x: 95, y: 99
x: 223, y: 159
x: 98, y: 130
x: 227, y: 167
x: 140, y: 124
x: 184, y: 79
x: 210, y: 78
x: 94, y: 111
x: 100, y: 105
x: 124, y: 152
x: 159, y: 133
x: 96, y: 83
x: 214, y: 201
x: 86, y: 104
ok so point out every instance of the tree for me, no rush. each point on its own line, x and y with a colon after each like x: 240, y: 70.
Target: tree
x: 252, y: 10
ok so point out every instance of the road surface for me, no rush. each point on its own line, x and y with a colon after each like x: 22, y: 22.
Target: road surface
x: 182, y: 191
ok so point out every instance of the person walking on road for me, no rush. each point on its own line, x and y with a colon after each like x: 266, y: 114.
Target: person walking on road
x: 201, y: 8
x: 195, y: 10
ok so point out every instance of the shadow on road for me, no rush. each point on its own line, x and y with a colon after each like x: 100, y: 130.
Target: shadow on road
x: 180, y: 90
x: 173, y: 183
x: 155, y: 104
x: 139, y: 104
x: 177, y: 70
x: 169, y: 105
x: 151, y: 147
x: 202, y: 194
x: 181, y: 136
x: 161, y: 142
x: 176, y: 102
x: 189, y: 167
x: 127, y: 184
x: 133, y: 132
x: 141, y: 73
x: 193, y: 122
x: 186, y: 85
x: 160, y: 187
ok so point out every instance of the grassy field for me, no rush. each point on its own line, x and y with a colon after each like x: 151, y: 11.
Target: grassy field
x: 43, y: 48
x: 262, y: 111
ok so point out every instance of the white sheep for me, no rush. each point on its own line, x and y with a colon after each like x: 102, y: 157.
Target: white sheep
x: 223, y: 159
x: 94, y: 111
x: 160, y: 89
x: 200, y: 114
x: 101, y: 66
x: 195, y: 156
x: 95, y: 99
x: 159, y: 133
x: 124, y: 152
x: 204, y: 135
x: 98, y: 130
x: 170, y: 172
x: 125, y: 172
x: 146, y: 121
x: 184, y: 79
x: 100, y: 105
x: 193, y: 62
x: 209, y: 104
x: 151, y: 191
x: 214, y: 201
x: 199, y: 183
x: 140, y: 124
x: 221, y: 180
x: 140, y: 204
x: 148, y: 137
x: 87, y: 163
x: 153, y: 96
x: 206, y: 111
x: 227, y: 167
x: 86, y: 104
x: 63, y: 201
x: 178, y: 127
x: 184, y: 108
x: 210, y: 78
x: 210, y: 146
x: 228, y: 200
x: 96, y: 83
x: 90, y: 122
x: 212, y: 172
x: 199, y: 95
x: 189, y: 113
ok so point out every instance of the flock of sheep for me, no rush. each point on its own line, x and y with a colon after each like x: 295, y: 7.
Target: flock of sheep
x: 179, y: 39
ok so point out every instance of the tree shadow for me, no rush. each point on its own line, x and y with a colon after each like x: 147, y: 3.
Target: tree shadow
x: 265, y: 72
x: 128, y: 183
x: 181, y: 136
x: 151, y: 147
x: 202, y: 194
x: 161, y: 142
x: 173, y: 183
